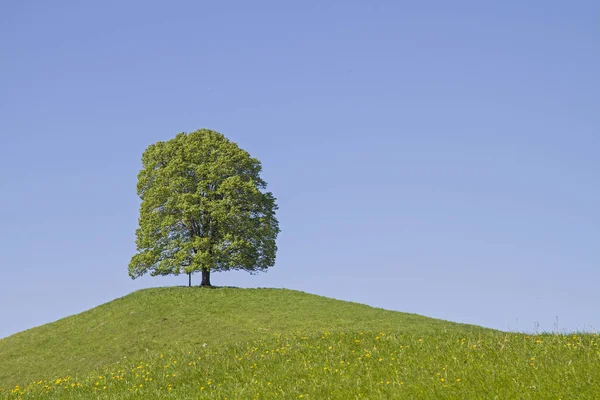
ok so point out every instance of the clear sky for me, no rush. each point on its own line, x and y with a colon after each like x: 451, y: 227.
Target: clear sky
x: 433, y: 157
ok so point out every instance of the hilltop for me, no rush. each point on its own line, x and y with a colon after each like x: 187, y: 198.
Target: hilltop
x: 178, y: 318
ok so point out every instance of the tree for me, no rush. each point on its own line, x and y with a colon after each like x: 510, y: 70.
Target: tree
x: 203, y: 208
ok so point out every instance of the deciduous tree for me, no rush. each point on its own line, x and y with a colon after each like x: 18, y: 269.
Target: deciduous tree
x: 204, y: 208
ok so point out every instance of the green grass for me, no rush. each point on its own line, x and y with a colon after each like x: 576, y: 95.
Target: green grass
x: 180, y: 343
x: 369, y: 365
x: 181, y: 318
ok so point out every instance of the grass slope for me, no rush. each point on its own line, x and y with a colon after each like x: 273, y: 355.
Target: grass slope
x: 181, y: 319
x: 349, y: 365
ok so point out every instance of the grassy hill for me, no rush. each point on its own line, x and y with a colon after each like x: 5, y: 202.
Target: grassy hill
x: 172, y: 318
x: 272, y: 343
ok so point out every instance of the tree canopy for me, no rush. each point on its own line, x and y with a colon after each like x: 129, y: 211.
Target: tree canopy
x: 204, y: 208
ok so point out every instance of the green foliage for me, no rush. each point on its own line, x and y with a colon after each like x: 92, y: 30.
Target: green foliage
x: 181, y: 319
x: 349, y: 365
x: 203, y: 208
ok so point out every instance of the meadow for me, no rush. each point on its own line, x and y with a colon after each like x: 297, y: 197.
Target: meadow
x: 431, y: 360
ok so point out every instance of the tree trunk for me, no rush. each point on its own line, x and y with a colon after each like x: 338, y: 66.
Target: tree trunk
x: 205, y: 277
x: 190, y: 279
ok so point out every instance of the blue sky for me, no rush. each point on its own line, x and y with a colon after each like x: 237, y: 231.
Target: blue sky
x: 434, y: 157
